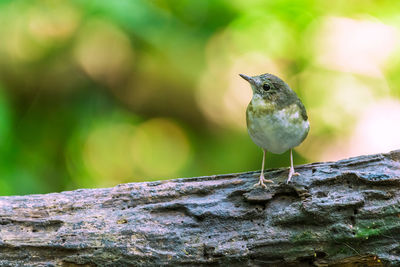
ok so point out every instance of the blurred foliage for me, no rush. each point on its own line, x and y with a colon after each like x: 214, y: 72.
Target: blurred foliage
x: 95, y: 93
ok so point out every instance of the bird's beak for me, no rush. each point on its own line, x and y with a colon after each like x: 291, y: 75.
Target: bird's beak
x: 248, y: 78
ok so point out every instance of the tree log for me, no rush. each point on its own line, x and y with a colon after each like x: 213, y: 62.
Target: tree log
x: 344, y: 213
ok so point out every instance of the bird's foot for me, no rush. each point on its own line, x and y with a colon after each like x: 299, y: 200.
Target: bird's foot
x: 292, y: 173
x: 262, y: 182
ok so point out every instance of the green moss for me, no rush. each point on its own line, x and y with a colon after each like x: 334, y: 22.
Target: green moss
x: 375, y: 228
x: 367, y: 232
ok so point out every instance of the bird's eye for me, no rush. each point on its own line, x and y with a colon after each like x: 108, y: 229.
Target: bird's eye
x: 266, y: 86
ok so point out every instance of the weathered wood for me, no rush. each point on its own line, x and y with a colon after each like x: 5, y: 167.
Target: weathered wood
x: 332, y: 214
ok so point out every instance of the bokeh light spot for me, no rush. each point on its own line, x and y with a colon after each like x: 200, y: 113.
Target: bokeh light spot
x: 30, y: 31
x: 358, y: 46
x: 59, y: 24
x: 104, y: 52
x: 106, y: 153
x: 160, y: 148
x: 378, y: 129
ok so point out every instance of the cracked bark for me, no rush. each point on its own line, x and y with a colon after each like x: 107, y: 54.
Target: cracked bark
x: 333, y: 214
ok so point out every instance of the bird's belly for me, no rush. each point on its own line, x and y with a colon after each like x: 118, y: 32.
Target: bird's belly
x: 277, y: 132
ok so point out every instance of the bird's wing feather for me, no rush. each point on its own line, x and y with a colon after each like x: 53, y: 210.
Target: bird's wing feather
x: 302, y: 108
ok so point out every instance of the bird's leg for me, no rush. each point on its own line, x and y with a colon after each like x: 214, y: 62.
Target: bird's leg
x: 262, y: 179
x: 291, y: 170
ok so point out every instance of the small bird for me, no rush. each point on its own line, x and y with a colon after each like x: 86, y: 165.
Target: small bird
x: 276, y: 118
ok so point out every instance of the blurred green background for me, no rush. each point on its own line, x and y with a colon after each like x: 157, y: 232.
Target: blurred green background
x: 96, y: 93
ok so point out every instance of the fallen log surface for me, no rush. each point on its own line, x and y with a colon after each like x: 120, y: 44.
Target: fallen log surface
x: 333, y: 214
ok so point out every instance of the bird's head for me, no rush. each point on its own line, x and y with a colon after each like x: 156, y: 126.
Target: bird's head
x: 271, y: 88
x: 265, y: 84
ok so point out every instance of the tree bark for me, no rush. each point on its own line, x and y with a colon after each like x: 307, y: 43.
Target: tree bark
x: 333, y: 214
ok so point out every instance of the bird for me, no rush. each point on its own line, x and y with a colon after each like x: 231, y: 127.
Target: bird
x: 276, y: 119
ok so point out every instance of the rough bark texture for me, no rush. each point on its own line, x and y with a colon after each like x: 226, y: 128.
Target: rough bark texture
x: 343, y: 213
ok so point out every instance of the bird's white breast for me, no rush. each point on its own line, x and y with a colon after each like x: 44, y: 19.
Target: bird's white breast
x: 279, y: 130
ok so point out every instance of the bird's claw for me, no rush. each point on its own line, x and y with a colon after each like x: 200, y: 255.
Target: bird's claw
x: 262, y: 182
x: 292, y: 173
